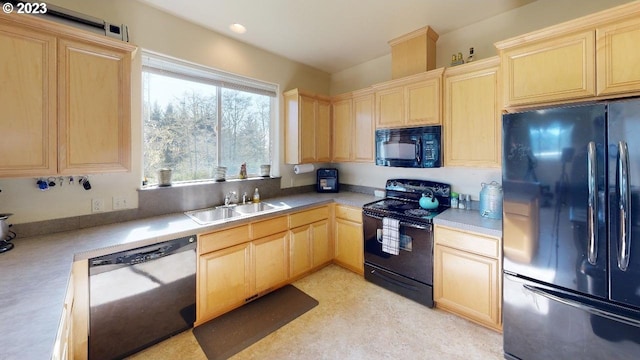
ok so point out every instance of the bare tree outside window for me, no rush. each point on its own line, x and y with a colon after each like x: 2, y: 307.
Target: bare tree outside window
x: 192, y: 128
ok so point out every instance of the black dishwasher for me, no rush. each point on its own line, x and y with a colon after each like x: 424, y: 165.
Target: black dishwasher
x: 140, y: 297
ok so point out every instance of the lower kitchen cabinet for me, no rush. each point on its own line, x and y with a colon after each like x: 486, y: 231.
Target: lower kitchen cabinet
x: 223, y: 281
x: 230, y: 276
x: 467, y: 275
x: 348, y: 238
x: 310, y: 246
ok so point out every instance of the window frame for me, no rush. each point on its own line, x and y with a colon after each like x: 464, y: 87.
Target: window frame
x: 159, y: 64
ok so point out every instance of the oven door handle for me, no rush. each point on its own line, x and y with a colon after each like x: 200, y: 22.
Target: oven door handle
x: 402, y: 223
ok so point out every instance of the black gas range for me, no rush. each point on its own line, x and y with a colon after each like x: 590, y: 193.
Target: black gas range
x: 405, y: 267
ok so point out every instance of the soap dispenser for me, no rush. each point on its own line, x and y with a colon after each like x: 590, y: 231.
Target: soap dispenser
x: 256, y: 196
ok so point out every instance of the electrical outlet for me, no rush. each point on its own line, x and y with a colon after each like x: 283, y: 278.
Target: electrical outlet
x: 97, y: 205
x: 119, y: 202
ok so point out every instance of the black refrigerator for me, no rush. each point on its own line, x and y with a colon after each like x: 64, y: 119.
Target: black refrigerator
x: 571, y: 232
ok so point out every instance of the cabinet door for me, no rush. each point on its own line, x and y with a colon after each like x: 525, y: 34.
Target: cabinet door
x: 321, y: 250
x: 468, y: 285
x: 363, y: 128
x: 224, y: 279
x: 472, y: 119
x: 342, y: 130
x: 423, y: 103
x: 349, y: 245
x: 390, y: 107
x: 300, y: 249
x: 617, y: 62
x: 323, y: 132
x: 307, y: 135
x: 94, y: 105
x: 270, y: 262
x: 27, y: 102
x: 554, y: 70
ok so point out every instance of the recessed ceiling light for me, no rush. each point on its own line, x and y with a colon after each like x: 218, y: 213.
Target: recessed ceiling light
x: 238, y: 28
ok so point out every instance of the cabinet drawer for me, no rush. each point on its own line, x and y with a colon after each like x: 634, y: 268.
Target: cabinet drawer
x: 308, y: 216
x: 470, y: 242
x: 223, y: 239
x: 268, y: 227
x: 349, y: 213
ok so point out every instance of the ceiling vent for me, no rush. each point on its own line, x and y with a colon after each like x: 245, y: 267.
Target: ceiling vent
x: 81, y: 21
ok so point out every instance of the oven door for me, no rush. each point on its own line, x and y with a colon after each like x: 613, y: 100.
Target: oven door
x: 415, y: 260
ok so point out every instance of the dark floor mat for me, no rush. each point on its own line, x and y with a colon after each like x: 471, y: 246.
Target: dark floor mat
x: 234, y: 331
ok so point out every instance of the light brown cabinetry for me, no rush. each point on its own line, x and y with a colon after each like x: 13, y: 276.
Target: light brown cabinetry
x: 617, y: 57
x: 94, y: 104
x: 561, y: 68
x: 467, y: 275
x: 310, y: 245
x: 586, y: 58
x: 353, y: 127
x: 348, y: 238
x: 472, y: 114
x: 410, y: 101
x: 232, y: 269
x: 413, y: 53
x: 66, y: 109
x: 307, y: 127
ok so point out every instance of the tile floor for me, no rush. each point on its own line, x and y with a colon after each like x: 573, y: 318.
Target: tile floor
x: 355, y: 320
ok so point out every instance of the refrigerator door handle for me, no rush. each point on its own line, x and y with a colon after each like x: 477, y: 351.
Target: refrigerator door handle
x: 624, y: 205
x: 558, y: 297
x: 592, y: 209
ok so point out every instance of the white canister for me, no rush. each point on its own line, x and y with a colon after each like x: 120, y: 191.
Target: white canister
x: 164, y: 177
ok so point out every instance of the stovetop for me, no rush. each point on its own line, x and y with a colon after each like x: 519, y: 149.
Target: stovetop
x: 403, y: 196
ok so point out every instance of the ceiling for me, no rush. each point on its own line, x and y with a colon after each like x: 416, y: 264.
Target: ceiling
x: 331, y: 35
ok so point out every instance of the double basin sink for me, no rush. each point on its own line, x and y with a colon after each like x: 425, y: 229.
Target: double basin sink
x: 225, y: 212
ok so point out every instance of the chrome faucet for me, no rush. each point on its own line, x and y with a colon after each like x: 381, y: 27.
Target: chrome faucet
x: 244, y: 197
x: 229, y: 197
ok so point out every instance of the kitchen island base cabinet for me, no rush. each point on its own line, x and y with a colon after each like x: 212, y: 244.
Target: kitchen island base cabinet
x: 467, y: 275
x: 348, y: 238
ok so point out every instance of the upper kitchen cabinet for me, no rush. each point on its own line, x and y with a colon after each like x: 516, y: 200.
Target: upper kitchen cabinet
x: 353, y: 127
x: 67, y: 104
x: 561, y: 68
x: 28, y: 101
x: 307, y: 127
x: 618, y: 56
x: 94, y: 104
x: 472, y: 114
x: 411, y: 101
x: 587, y: 58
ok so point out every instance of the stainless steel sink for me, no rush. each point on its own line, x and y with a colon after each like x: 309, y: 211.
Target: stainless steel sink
x: 254, y: 208
x: 211, y: 215
x: 222, y: 213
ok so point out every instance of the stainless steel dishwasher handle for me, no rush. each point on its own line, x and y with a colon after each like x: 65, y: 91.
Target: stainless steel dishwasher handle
x: 592, y: 209
x: 624, y: 206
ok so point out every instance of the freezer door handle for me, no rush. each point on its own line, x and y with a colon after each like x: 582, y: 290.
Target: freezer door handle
x: 624, y: 206
x: 592, y: 209
x: 562, y: 298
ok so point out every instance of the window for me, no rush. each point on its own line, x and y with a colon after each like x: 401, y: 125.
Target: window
x: 196, y: 119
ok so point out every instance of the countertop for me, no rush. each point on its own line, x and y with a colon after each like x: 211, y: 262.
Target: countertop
x: 469, y: 220
x: 36, y: 272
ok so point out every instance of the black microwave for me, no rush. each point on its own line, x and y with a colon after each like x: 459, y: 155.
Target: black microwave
x: 418, y: 147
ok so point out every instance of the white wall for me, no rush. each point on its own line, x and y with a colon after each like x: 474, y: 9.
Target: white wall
x: 481, y: 35
x: 160, y: 32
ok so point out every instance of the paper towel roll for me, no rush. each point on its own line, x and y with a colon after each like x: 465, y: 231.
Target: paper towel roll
x: 303, y: 168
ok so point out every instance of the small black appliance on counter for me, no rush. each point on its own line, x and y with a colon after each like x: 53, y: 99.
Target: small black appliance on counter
x: 327, y: 181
